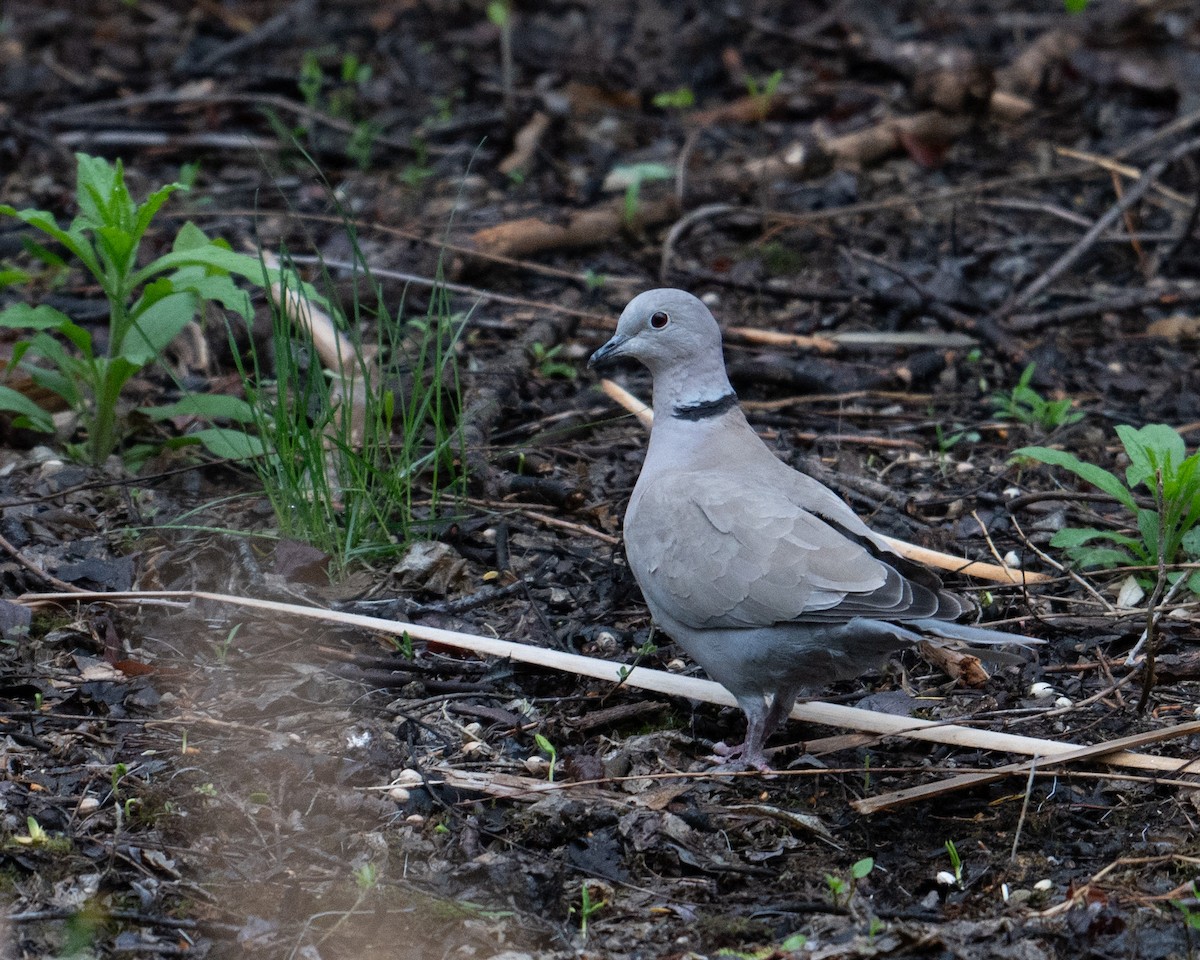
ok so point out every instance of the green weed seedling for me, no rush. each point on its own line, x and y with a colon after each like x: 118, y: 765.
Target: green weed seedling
x: 762, y: 95
x: 681, y: 98
x: 547, y: 366
x: 587, y: 908
x: 840, y: 890
x: 548, y: 749
x: 366, y: 876
x: 339, y: 98
x: 500, y: 13
x: 955, y: 862
x: 1027, y: 406
x: 1158, y: 462
x: 1190, y: 910
x: 147, y: 305
x: 633, y: 175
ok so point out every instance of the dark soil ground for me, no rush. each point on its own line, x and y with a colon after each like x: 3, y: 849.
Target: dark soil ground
x: 217, y: 783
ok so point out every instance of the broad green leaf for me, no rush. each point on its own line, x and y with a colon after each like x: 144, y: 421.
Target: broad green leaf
x: 21, y: 316
x: 211, y: 406
x: 156, y: 326
x: 1154, y: 446
x: 1191, y: 542
x: 227, y: 443
x: 213, y: 257
x: 72, y: 238
x: 218, y: 287
x: 1073, y: 537
x: 57, y: 382
x: 13, y: 401
x: 1149, y: 522
x: 1096, y: 476
x: 154, y: 202
x: 1103, y: 557
x: 101, y: 193
x: 190, y: 237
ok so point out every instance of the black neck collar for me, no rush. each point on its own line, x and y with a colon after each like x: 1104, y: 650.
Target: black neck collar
x: 705, y: 408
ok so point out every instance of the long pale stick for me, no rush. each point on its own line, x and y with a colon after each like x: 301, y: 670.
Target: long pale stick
x: 642, y: 678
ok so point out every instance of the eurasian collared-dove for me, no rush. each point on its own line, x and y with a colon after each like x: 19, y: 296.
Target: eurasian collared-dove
x: 762, y: 574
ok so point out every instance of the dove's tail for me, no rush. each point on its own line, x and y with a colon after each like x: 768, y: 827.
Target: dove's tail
x: 948, y: 630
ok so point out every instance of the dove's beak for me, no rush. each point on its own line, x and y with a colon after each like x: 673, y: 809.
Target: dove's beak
x: 609, y: 353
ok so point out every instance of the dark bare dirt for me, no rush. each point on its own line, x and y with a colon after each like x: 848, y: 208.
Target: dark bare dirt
x: 215, y: 783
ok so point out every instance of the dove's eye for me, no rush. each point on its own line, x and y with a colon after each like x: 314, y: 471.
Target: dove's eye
x: 659, y: 319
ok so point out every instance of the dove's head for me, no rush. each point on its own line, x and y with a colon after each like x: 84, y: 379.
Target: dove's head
x: 675, y: 336
x: 663, y: 328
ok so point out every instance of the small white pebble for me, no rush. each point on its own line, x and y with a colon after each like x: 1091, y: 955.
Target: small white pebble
x: 606, y: 643
x: 710, y: 299
x: 415, y: 819
x: 1063, y: 702
x: 473, y: 730
x: 407, y: 778
x: 945, y: 879
x: 537, y: 766
x: 1012, y: 559
x: 88, y: 804
x: 1041, y: 690
x: 399, y: 794
x: 1043, y: 886
x: 964, y: 466
x: 51, y: 467
x: 676, y: 666
x: 1004, y: 892
x: 1010, y: 492
x: 473, y: 747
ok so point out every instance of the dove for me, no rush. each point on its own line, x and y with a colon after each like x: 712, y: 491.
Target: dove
x: 763, y: 575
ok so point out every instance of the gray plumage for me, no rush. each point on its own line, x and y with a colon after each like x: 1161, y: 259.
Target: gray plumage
x: 763, y: 575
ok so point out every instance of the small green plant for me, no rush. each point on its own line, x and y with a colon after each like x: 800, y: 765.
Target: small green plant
x: 947, y: 440
x: 633, y: 175
x: 366, y: 876
x: 1190, y: 910
x: 762, y: 95
x: 404, y: 645
x: 548, y: 749
x: 647, y: 649
x: 36, y: 835
x: 119, y: 771
x: 955, y: 862
x: 311, y: 79
x: 147, y: 305
x: 416, y: 173
x: 1027, y: 406
x: 500, y: 13
x: 840, y: 890
x: 339, y: 96
x: 593, y: 280
x: 1075, y: 6
x: 348, y: 448
x: 223, y: 647
x: 587, y: 908
x: 1158, y: 461
x: 546, y: 364
x: 681, y: 98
